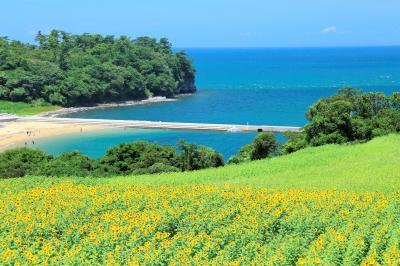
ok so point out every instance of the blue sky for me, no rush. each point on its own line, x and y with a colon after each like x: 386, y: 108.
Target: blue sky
x: 213, y: 23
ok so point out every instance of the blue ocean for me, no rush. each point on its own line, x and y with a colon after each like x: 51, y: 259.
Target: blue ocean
x: 262, y: 86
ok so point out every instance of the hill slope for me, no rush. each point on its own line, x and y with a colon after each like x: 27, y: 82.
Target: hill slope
x: 370, y: 166
x: 332, y: 205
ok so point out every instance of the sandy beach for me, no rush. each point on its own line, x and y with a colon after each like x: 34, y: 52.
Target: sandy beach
x: 17, y: 133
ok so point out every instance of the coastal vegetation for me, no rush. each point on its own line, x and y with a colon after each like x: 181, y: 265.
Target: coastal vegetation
x: 370, y: 166
x: 25, y: 109
x: 328, y: 205
x: 123, y: 159
x: 68, y: 70
x: 264, y: 145
x: 348, y: 116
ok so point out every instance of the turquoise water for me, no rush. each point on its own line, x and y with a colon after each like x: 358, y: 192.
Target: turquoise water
x: 255, y: 86
x: 96, y: 143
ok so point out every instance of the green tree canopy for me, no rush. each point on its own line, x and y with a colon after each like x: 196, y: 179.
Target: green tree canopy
x: 68, y: 70
x: 195, y: 157
x: 348, y: 116
x: 19, y: 162
x: 263, y: 146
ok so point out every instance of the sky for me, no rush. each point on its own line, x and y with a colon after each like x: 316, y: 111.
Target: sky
x: 213, y: 23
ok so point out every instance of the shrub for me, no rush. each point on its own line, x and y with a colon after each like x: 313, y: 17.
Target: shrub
x: 195, y: 157
x: 295, y: 142
x: 351, y: 116
x: 264, y: 145
x: 69, y: 164
x: 21, y: 161
x: 127, y: 158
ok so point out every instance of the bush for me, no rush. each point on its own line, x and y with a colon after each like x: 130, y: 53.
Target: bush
x: 21, y: 161
x: 244, y: 155
x: 264, y: 145
x: 351, y: 116
x: 156, y: 168
x: 70, y: 164
x: 127, y: 158
x: 295, y: 142
x: 195, y: 157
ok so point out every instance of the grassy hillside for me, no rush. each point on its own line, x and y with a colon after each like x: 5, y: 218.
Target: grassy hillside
x: 370, y: 166
x: 23, y: 109
x: 331, y: 205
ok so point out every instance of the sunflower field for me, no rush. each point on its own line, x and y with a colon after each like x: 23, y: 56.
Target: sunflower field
x: 89, y: 223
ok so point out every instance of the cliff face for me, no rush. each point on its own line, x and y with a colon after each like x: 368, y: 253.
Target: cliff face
x: 187, y: 87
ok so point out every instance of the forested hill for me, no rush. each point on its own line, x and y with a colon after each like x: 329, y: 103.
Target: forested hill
x: 69, y: 70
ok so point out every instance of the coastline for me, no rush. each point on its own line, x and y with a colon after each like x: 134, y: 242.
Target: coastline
x: 70, y: 110
x: 15, y: 134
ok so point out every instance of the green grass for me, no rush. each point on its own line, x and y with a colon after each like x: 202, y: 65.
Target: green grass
x: 25, y: 109
x: 367, y: 167
x: 372, y: 166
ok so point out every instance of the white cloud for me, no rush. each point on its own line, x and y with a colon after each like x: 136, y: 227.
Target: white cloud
x: 328, y: 30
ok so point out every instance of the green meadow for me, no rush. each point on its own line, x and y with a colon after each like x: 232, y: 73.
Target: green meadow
x: 25, y: 109
x: 370, y: 166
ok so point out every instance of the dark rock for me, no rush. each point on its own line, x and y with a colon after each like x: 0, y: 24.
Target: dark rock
x: 187, y: 87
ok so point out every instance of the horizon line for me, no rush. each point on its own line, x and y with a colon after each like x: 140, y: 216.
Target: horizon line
x: 285, y: 47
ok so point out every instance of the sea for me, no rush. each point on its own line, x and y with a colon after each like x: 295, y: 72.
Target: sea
x: 255, y: 86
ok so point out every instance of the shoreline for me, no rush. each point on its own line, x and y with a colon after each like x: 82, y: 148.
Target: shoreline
x: 17, y: 134
x: 14, y: 134
x: 70, y: 110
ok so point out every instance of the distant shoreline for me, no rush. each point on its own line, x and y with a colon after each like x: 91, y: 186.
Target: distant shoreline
x: 70, y: 110
x: 16, y: 134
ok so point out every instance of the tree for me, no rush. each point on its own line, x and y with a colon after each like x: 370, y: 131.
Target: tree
x: 21, y: 161
x: 243, y: 155
x: 264, y: 145
x: 195, y: 157
x: 128, y: 158
x: 295, y: 142
x: 132, y: 158
x: 330, y: 122
x: 351, y: 115
x: 165, y: 45
x: 86, y: 69
x: 69, y: 164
